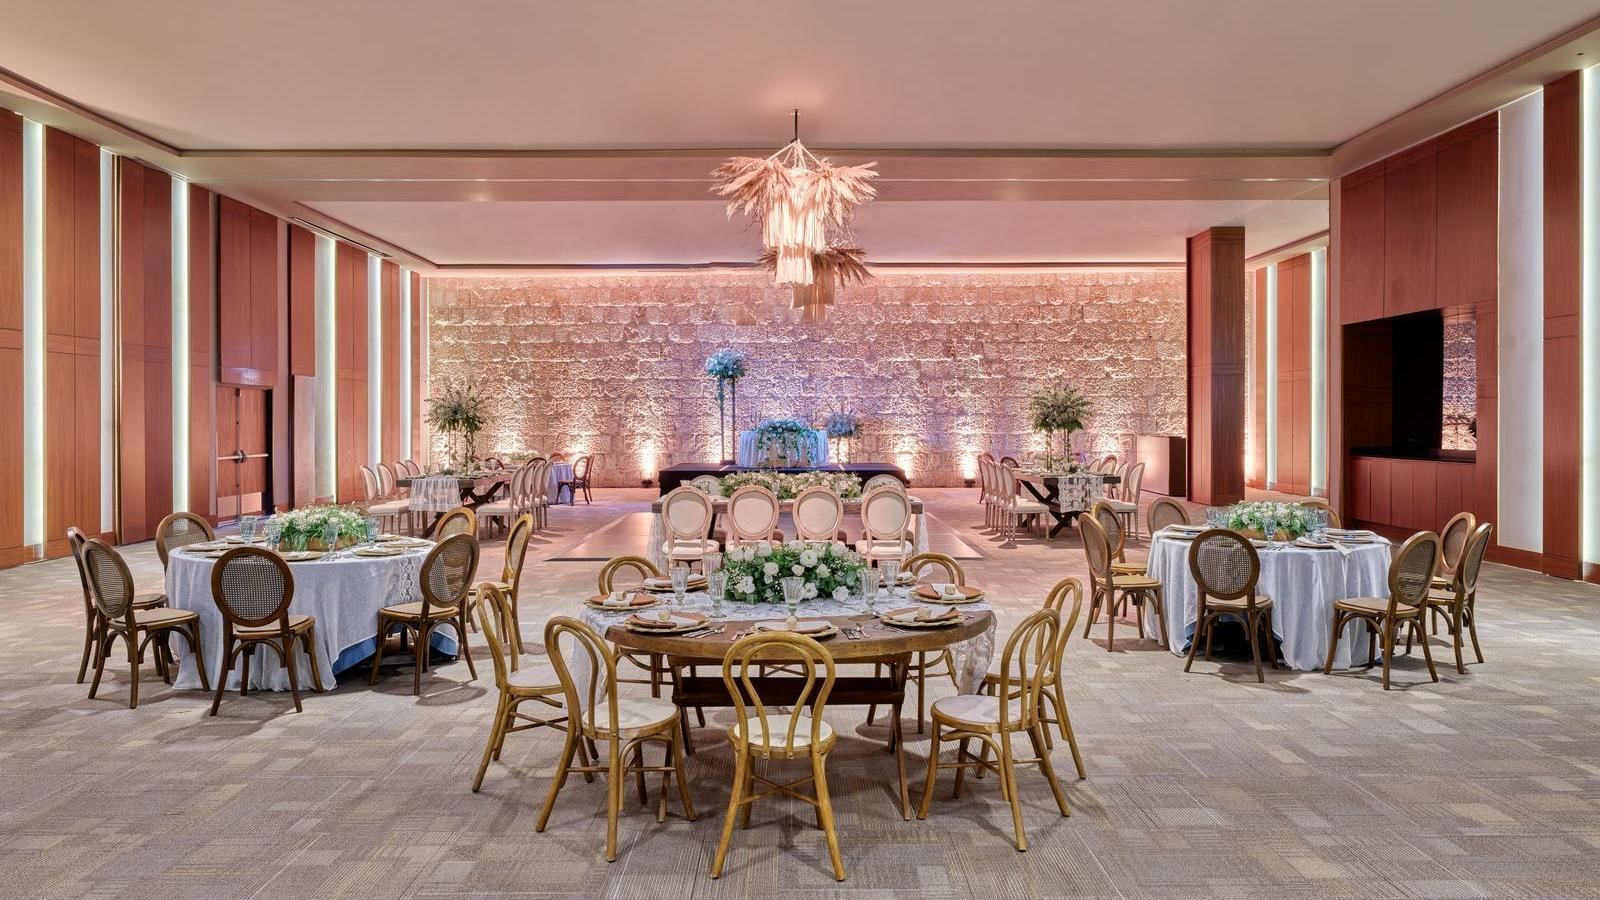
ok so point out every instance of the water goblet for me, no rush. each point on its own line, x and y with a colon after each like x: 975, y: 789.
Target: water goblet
x: 711, y: 562
x: 680, y: 582
x: 891, y: 576
x: 370, y: 527
x: 717, y: 587
x: 273, y: 531
x: 247, y: 528
x: 793, y: 587
x: 330, y: 535
x: 869, y: 588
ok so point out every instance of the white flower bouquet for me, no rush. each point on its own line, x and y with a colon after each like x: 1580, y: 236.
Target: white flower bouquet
x: 304, y: 528
x: 756, y: 571
x: 1286, y: 520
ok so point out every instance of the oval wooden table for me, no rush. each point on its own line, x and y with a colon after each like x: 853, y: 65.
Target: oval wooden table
x: 889, y: 645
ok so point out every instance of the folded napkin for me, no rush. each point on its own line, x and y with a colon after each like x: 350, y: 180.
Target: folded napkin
x: 664, y: 582
x: 814, y: 626
x: 924, y: 615
x: 657, y: 622
x: 619, y: 599
x: 948, y: 591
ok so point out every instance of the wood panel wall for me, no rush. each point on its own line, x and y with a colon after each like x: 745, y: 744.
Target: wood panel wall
x: 145, y: 282
x: 1256, y: 466
x: 350, y: 336
x: 72, y: 338
x: 1563, y: 361
x: 302, y: 301
x: 390, y: 306
x: 1216, y: 365
x: 247, y: 272
x: 12, y: 551
x: 1294, y: 375
x: 202, y: 353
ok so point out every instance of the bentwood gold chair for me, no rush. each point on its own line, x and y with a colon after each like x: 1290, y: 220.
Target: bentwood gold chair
x: 623, y: 725
x: 1108, y: 590
x: 1226, y: 570
x: 613, y: 578
x: 818, y: 514
x: 510, y: 584
x: 1053, y: 698
x: 91, y: 614
x: 538, y: 496
x: 1012, y: 508
x: 445, y: 579
x: 112, y: 588
x: 1452, y: 546
x: 253, y: 589
x: 1410, y: 577
x: 752, y: 516
x: 1126, y: 503
x: 1117, y: 537
x: 1322, y: 504
x: 761, y: 732
x: 460, y: 520
x: 993, y: 720
x: 1166, y: 511
x: 508, y: 507
x: 952, y: 573
x: 1459, y: 603
x: 515, y: 688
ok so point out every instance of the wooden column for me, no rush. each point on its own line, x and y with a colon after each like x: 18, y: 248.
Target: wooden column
x: 1216, y: 365
x: 202, y: 351
x: 145, y: 296
x: 1294, y: 375
x: 350, y: 331
x: 12, y: 552
x: 1563, y: 275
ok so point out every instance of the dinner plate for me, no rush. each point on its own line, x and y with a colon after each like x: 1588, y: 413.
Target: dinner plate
x: 385, y: 538
x: 640, y: 601
x: 680, y: 622
x: 302, y: 555
x: 239, y: 539
x: 1173, y: 535
x: 1189, y: 529
x: 1308, y: 544
x: 212, y: 554
x: 811, y: 628
x: 205, y: 547
x: 901, y: 619
x: 664, y: 584
x: 377, y: 551
x: 928, y: 594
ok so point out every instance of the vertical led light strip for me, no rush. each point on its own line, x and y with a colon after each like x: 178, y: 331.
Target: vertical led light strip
x: 1319, y: 371
x: 374, y: 359
x: 180, y: 345
x: 1520, y: 338
x: 326, y: 298
x: 108, y: 341
x: 1589, y: 321
x: 405, y: 364
x: 32, y: 333
x: 1271, y: 376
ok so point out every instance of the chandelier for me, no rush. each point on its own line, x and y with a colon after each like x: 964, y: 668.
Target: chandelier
x: 805, y: 204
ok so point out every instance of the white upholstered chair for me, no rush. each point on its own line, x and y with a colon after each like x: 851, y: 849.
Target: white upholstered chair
x: 752, y: 515
x: 818, y: 513
x: 686, y: 519
x: 885, y: 525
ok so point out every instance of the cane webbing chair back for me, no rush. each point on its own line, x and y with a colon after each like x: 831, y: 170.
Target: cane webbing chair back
x: 180, y: 529
x: 1106, y: 518
x: 1096, y: 549
x: 1453, y: 541
x: 1411, y: 571
x: 448, y: 570
x: 252, y: 587
x: 1224, y: 565
x: 1472, y: 558
x: 456, y: 521
x: 109, y: 581
x: 1166, y: 511
x: 516, y: 551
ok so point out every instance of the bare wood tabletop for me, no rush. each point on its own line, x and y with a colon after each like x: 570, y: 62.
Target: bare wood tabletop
x: 881, y: 641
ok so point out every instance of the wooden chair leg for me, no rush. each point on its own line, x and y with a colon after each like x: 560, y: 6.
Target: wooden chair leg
x: 99, y: 660
x: 933, y: 772
x: 493, y: 743
x: 562, y: 769
x: 1065, y: 724
x: 88, y: 644
x: 377, y: 654
x: 614, y: 778
x: 1036, y: 736
x: 466, y: 648
x: 294, y: 674
x: 1252, y: 625
x: 1457, y: 639
x: 681, y: 777
x: 825, y: 812
x: 222, y: 677
x: 133, y: 663
x: 1472, y: 629
x: 741, y: 761
x: 1008, y: 772
x: 309, y: 638
x: 1427, y: 654
x: 419, y: 649
x: 1333, y: 642
x: 1388, y: 649
x: 1194, y: 641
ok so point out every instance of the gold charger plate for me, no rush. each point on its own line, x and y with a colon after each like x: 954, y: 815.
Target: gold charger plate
x: 302, y: 555
x: 205, y: 547
x: 696, y: 583
x: 691, y: 621
x: 649, y: 601
x: 927, y: 594
x: 889, y: 618
x: 781, y: 627
x: 377, y: 552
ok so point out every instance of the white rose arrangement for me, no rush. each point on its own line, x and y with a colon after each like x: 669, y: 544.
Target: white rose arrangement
x: 753, y: 570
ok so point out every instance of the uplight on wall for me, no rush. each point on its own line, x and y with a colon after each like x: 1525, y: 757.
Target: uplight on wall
x: 32, y: 332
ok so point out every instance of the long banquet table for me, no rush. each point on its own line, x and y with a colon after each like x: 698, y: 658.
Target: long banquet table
x: 1302, y: 582
x: 719, y: 506
x: 1066, y: 496
x: 343, y: 591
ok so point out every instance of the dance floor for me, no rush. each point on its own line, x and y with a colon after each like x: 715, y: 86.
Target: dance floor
x: 1200, y: 785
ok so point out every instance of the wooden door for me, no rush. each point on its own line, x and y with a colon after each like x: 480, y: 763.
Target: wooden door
x: 244, y: 451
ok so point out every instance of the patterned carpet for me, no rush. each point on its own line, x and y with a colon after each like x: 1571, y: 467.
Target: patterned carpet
x: 1200, y: 785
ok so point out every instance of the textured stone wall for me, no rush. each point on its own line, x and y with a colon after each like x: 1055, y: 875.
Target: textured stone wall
x: 939, y: 365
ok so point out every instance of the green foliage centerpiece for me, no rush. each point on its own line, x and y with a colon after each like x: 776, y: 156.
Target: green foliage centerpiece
x: 304, y: 528
x: 756, y: 570
x: 1059, y: 409
x: 786, y: 487
x: 1274, y: 521
x: 727, y: 366
x: 458, y: 414
x: 780, y: 440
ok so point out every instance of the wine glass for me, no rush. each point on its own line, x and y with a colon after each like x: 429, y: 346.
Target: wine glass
x: 793, y: 587
x: 869, y: 588
x: 891, y: 575
x: 680, y: 582
x: 330, y: 535
x: 717, y: 587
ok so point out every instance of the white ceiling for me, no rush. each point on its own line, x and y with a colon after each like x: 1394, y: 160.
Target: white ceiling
x: 1020, y: 85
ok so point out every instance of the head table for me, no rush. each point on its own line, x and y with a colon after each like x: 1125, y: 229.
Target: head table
x: 343, y: 591
x: 1302, y: 582
x: 719, y: 507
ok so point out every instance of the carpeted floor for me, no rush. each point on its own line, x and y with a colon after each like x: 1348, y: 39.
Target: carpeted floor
x: 1200, y: 785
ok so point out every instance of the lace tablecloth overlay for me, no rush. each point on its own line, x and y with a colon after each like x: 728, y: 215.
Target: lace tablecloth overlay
x: 1302, y: 582
x: 343, y: 591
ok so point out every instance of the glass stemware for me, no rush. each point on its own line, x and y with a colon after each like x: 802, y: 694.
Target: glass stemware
x: 891, y: 576
x: 869, y: 588
x: 370, y: 525
x: 717, y: 587
x: 680, y: 582
x: 274, y: 531
x: 330, y: 536
x: 247, y: 528
x: 711, y: 562
x: 793, y: 587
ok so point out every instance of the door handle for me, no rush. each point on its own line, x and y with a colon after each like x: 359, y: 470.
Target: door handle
x: 240, y: 456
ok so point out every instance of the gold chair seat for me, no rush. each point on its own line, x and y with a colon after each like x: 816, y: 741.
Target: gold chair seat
x: 1439, y: 581
x: 537, y: 681
x: 162, y: 617
x: 1441, y: 598
x: 297, y: 624
x: 777, y: 732
x: 149, y: 601
x: 1375, y: 606
x: 413, y: 611
x: 1240, y: 603
x: 634, y: 714
x: 1127, y: 568
x: 885, y: 549
x: 1134, y: 582
x: 976, y: 710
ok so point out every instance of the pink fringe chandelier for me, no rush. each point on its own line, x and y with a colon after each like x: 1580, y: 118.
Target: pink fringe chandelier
x: 805, y: 204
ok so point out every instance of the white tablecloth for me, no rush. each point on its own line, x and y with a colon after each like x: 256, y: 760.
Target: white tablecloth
x: 971, y: 656
x: 1302, y: 583
x: 814, y: 446
x: 559, y: 472
x: 852, y: 510
x: 343, y: 592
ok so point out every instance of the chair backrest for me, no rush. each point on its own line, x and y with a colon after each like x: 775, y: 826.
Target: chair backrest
x: 494, y: 610
x: 448, y: 570
x: 1025, y: 667
x: 109, y: 581
x: 1411, y: 570
x: 1006, y: 487
x: 885, y: 514
x: 411, y: 467
x: 1009, y: 462
x: 917, y: 564
x: 1060, y: 593
x: 1107, y: 465
x: 370, y: 488
x: 818, y: 512
x: 516, y: 552
x: 1453, y: 541
x: 386, y: 481
x: 1322, y: 504
x: 1133, y: 483
x: 599, y: 687
x: 1225, y: 566
x: 985, y: 456
x: 252, y: 587
x: 558, y: 457
x: 581, y: 468
x: 711, y: 485
x: 1096, y: 551
x: 75, y: 541
x: 758, y: 652
x: 180, y: 529
x: 537, y: 485
x: 687, y: 514
x: 460, y: 520
x: 1466, y: 574
x: 752, y: 514
x: 1166, y: 511
x: 608, y: 572
x: 882, y: 481
x: 1106, y: 517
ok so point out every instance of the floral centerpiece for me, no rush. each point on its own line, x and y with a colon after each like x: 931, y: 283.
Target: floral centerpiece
x: 755, y: 571
x: 304, y: 528
x: 457, y: 413
x: 782, y: 440
x: 1055, y: 464
x: 1059, y: 409
x: 1288, y: 520
x: 841, y: 426
x: 786, y: 487
x: 727, y: 366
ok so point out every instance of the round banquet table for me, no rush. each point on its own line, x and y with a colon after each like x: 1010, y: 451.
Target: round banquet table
x: 343, y: 591
x: 1302, y: 582
x: 559, y: 472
